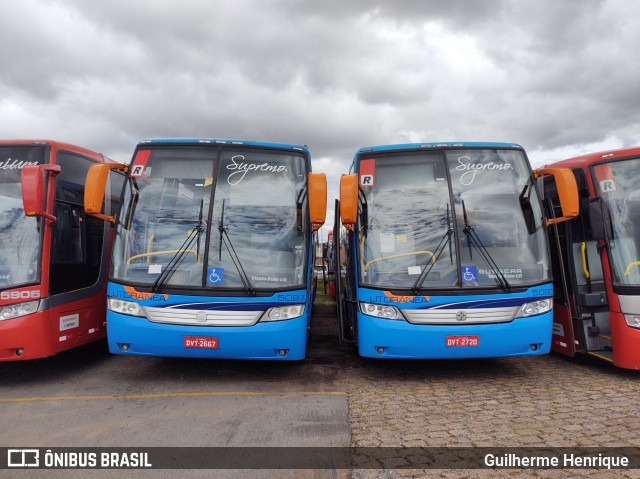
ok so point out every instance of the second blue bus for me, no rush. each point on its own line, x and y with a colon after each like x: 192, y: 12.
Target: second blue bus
x: 446, y: 254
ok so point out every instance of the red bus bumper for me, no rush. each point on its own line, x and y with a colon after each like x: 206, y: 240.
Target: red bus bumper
x: 626, y: 343
x: 27, y: 337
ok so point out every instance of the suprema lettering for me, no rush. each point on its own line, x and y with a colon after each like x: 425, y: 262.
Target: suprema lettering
x: 243, y: 168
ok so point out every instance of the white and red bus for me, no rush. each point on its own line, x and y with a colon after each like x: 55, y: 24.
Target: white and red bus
x: 596, y: 259
x: 54, y: 257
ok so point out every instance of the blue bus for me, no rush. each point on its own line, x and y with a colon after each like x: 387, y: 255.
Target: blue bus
x: 213, y: 249
x: 445, y: 253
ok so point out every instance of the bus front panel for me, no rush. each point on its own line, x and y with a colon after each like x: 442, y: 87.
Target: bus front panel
x: 273, y: 327
x: 445, y: 327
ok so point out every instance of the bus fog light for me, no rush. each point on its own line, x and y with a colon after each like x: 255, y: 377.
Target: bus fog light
x: 380, y: 311
x: 536, y: 307
x: 633, y: 320
x: 19, y: 352
x: 125, y: 307
x: 534, y: 347
x: 124, y: 346
x: 380, y: 350
x: 282, y: 352
x: 282, y: 313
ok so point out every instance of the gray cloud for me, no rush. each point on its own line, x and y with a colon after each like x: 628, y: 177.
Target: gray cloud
x: 553, y: 76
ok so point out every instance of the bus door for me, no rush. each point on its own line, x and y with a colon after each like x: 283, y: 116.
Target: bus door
x: 347, y: 208
x: 581, y: 312
x: 592, y: 311
x: 338, y: 280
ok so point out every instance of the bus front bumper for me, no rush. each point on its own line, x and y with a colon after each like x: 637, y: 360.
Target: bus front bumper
x: 277, y: 340
x: 27, y: 337
x: 383, y: 338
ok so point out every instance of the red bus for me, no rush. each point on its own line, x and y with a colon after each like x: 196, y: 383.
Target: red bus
x: 54, y: 258
x: 596, y: 259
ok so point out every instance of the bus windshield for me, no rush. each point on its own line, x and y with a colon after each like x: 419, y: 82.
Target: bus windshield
x: 215, y: 219
x: 617, y: 185
x: 21, y: 239
x: 449, y: 221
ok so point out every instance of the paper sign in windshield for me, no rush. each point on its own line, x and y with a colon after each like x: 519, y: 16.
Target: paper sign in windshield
x: 413, y: 270
x: 155, y: 269
x: 387, y: 242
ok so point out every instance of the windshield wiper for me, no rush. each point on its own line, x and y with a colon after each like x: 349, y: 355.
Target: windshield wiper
x: 474, y: 240
x: 444, y: 241
x: 299, y: 201
x: 175, y: 260
x: 224, y: 237
x: 525, y: 205
x: 364, y: 215
x: 135, y: 195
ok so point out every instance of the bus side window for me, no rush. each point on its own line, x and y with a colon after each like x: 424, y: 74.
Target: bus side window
x: 582, y: 228
x: 67, y: 234
x: 77, y: 239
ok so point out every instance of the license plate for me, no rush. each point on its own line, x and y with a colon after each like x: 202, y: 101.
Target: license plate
x: 202, y: 342
x: 463, y: 341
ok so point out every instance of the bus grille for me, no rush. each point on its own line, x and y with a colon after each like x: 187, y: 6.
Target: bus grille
x: 200, y: 317
x: 451, y: 316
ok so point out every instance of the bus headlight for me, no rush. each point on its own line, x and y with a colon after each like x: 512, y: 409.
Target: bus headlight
x: 633, y: 320
x: 535, y: 307
x: 380, y: 311
x: 282, y: 313
x: 18, y: 310
x: 125, y: 307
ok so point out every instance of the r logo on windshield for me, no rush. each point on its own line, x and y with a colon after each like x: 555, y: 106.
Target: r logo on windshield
x: 607, y: 186
x: 367, y: 173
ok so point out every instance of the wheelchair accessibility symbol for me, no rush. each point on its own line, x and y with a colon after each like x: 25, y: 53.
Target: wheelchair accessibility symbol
x: 215, y: 275
x: 469, y: 274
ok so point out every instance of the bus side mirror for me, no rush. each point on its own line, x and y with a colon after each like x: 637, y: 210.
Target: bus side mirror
x: 600, y: 220
x: 349, y: 200
x: 95, y: 186
x: 567, y: 192
x: 33, y: 189
x: 317, y: 199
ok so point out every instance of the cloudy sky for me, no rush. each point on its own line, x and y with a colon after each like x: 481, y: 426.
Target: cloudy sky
x: 559, y: 77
